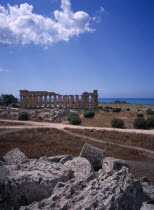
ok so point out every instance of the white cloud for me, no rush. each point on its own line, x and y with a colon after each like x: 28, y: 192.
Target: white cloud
x: 3, y: 70
x: 99, y: 14
x: 18, y: 24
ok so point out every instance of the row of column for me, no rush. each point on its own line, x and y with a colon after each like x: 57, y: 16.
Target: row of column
x: 65, y: 101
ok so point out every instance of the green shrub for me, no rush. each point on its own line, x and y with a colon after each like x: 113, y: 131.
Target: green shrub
x: 23, y: 116
x: 150, y: 122
x: 106, y: 110
x: 100, y: 107
x: 116, y: 109
x: 140, y: 115
x: 89, y: 113
x: 117, y: 123
x: 128, y: 109
x: 140, y: 123
x: 15, y: 105
x: 72, y: 115
x: 75, y: 120
x: 150, y: 112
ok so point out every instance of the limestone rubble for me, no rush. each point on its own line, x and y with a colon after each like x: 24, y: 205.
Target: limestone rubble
x: 63, y: 182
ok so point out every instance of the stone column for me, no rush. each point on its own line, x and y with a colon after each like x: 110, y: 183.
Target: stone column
x: 83, y: 100
x: 76, y: 101
x: 40, y: 101
x: 55, y: 102
x: 23, y: 101
x: 26, y: 101
x: 71, y: 101
x: 95, y: 99
x: 87, y: 101
x: 50, y: 101
x: 60, y: 101
x: 64, y: 101
x: 45, y: 101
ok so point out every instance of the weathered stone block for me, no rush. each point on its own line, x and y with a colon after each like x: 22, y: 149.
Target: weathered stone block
x: 93, y: 154
x: 112, y: 164
x: 15, y: 156
x: 80, y: 166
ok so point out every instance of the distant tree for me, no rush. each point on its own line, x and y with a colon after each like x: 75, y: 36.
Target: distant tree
x: 7, y: 99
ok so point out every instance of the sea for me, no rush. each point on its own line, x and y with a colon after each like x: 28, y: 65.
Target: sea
x: 129, y: 100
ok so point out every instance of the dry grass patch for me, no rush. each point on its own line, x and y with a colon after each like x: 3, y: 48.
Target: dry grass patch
x: 50, y: 142
x: 129, y: 139
x: 103, y: 119
x: 2, y: 123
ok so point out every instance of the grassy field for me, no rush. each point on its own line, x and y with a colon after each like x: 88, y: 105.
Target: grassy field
x: 103, y: 119
x: 129, y: 139
x: 50, y: 142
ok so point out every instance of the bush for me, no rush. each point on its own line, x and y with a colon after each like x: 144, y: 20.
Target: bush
x: 128, y: 109
x: 100, y: 107
x: 150, y: 122
x: 150, y: 112
x: 89, y: 113
x: 23, y: 116
x: 117, y: 123
x: 75, y: 120
x: 106, y: 110
x: 116, y: 109
x: 140, y: 115
x: 14, y: 105
x: 140, y: 123
x: 72, y: 115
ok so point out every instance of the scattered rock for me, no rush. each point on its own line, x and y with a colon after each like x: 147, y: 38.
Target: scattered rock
x: 15, y: 156
x: 65, y: 159
x: 60, y: 183
x: 55, y: 159
x: 119, y: 191
x: 80, y: 166
x: 146, y: 206
x: 35, y: 180
x: 93, y: 154
x: 111, y: 164
x: 148, y: 192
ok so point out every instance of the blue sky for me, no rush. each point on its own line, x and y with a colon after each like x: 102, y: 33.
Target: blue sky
x: 108, y: 46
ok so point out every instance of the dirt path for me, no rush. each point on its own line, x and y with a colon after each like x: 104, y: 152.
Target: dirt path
x: 31, y: 124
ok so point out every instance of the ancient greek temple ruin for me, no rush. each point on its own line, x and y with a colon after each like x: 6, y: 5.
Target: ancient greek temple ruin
x: 40, y: 99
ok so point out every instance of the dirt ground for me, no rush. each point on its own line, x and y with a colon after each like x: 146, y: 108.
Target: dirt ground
x: 103, y: 119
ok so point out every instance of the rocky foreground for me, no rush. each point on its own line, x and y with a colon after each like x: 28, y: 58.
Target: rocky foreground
x: 88, y: 182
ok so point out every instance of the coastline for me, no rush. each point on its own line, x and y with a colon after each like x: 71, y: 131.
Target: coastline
x: 132, y: 106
